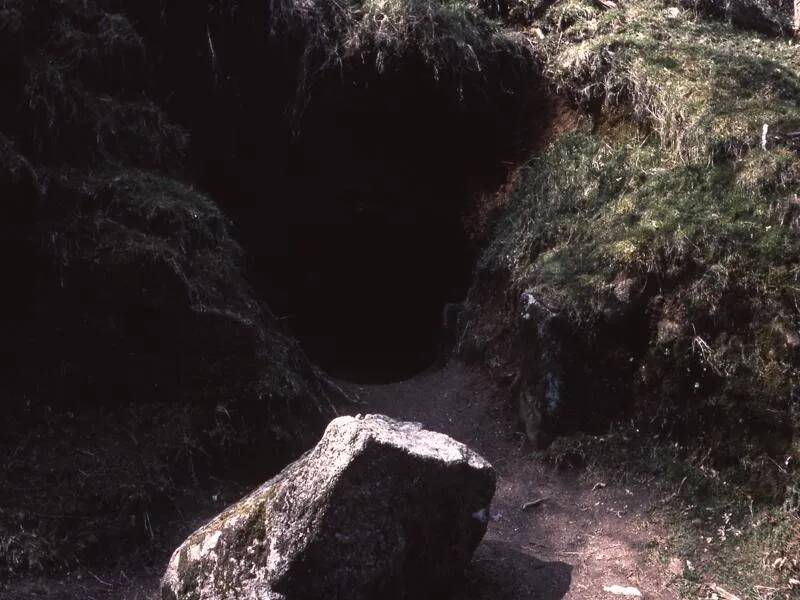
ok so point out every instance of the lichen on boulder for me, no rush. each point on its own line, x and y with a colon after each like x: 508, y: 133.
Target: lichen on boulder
x: 378, y: 509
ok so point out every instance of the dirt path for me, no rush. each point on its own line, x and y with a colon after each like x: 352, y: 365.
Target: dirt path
x: 574, y: 543
x: 570, y: 546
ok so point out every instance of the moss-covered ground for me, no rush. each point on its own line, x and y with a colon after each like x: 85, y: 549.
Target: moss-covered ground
x: 675, y: 197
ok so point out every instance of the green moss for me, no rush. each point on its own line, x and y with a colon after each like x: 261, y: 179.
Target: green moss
x: 588, y: 209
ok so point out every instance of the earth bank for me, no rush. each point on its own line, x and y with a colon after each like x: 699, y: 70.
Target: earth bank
x: 637, y: 276
x: 153, y: 212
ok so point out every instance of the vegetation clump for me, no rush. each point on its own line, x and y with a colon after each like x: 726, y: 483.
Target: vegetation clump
x: 704, y: 89
x: 155, y: 365
x: 138, y: 362
x: 660, y: 235
x: 685, y: 184
x: 773, y: 17
x: 452, y: 40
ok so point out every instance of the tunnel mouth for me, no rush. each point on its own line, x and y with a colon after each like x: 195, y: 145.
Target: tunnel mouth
x: 367, y: 302
x: 352, y: 211
x: 376, y: 246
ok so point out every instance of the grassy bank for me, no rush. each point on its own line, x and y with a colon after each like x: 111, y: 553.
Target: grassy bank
x: 648, y: 271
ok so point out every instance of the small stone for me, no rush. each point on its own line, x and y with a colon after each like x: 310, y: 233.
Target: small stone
x: 619, y: 590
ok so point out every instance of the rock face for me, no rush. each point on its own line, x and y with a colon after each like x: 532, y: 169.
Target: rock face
x: 378, y: 509
x: 570, y: 381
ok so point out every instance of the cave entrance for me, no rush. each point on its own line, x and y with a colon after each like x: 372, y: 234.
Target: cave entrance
x: 355, y: 235
x: 376, y: 247
x: 368, y: 292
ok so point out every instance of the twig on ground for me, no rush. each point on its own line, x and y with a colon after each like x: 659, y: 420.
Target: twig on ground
x: 100, y: 580
x: 722, y: 593
x: 672, y: 496
x: 534, y: 503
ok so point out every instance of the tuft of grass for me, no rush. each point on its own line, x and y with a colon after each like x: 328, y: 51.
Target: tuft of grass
x: 69, y: 120
x: 705, y: 89
x: 451, y: 36
x: 664, y: 234
x: 773, y: 17
x: 77, y: 80
x: 452, y: 40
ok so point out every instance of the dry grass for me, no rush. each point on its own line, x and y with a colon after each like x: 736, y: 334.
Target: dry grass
x: 451, y: 39
x: 773, y: 17
x: 705, y: 89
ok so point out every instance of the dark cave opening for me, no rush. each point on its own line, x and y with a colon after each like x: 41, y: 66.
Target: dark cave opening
x: 369, y: 251
x: 369, y: 245
x: 361, y: 242
x: 368, y: 294
x: 376, y: 245
x: 351, y: 211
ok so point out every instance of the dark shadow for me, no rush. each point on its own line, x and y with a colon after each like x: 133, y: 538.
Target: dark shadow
x: 348, y: 200
x: 500, y: 571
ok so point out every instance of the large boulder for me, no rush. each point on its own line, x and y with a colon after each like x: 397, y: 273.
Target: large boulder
x: 378, y: 509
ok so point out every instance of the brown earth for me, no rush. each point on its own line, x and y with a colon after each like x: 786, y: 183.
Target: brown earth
x: 581, y: 537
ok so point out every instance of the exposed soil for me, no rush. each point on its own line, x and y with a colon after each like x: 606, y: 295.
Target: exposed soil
x: 575, y: 542
x: 578, y: 539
